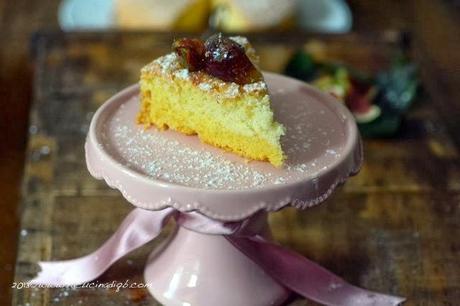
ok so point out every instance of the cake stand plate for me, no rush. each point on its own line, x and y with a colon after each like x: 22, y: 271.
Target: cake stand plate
x: 158, y: 169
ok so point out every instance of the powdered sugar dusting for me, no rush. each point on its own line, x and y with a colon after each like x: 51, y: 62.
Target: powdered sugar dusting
x: 205, y: 86
x: 258, y: 86
x: 182, y: 74
x: 167, y: 159
x: 168, y: 63
x: 232, y: 90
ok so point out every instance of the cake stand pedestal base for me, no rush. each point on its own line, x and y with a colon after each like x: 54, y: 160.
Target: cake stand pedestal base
x: 193, y: 268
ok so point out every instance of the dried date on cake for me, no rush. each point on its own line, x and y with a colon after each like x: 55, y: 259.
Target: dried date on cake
x: 191, y: 51
x: 227, y: 60
x: 219, y: 56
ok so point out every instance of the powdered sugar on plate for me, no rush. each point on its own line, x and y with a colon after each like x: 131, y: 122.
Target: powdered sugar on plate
x: 161, y: 157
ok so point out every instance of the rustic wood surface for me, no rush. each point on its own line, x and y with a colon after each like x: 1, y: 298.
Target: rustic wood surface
x: 17, y: 21
x: 393, y: 228
x: 435, y: 25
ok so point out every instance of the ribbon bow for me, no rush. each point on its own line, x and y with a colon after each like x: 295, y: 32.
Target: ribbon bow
x: 290, y: 269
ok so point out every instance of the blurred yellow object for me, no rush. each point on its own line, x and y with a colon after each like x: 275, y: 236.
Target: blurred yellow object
x: 163, y: 15
x: 253, y: 15
x: 337, y: 84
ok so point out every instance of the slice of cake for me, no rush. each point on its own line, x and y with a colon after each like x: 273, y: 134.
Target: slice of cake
x: 213, y: 89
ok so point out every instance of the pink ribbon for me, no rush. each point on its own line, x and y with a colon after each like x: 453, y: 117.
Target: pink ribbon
x: 290, y: 269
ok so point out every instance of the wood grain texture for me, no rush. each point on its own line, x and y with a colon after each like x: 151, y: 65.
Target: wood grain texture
x: 18, y: 19
x: 434, y: 23
x: 392, y: 228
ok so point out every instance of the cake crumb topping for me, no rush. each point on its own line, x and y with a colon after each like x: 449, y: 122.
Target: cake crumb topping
x: 170, y: 65
x: 205, y: 86
x: 182, y: 74
x: 258, y: 86
x: 232, y: 90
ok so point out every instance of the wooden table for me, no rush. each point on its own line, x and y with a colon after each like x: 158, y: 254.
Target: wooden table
x: 435, y: 25
x: 393, y: 228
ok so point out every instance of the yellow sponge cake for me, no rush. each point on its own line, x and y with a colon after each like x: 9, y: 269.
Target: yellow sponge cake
x: 214, y: 90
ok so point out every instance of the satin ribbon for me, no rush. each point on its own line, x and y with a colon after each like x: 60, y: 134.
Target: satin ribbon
x: 290, y: 269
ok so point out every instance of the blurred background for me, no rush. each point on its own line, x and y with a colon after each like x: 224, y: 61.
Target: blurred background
x: 373, y: 55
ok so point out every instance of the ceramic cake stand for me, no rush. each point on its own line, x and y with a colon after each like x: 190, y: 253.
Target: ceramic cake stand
x: 155, y: 170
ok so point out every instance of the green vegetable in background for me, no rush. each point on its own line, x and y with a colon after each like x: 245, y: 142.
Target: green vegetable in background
x: 396, y: 89
x: 301, y: 66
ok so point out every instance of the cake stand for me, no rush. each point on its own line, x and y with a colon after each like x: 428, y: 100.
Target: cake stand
x: 157, y: 170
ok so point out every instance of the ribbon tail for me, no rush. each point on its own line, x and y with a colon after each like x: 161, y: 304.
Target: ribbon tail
x: 307, y: 278
x: 138, y: 228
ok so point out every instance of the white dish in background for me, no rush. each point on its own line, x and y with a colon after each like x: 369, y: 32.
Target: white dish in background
x: 324, y: 16
x: 75, y: 15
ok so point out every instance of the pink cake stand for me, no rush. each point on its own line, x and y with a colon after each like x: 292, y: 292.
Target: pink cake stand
x: 159, y: 169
